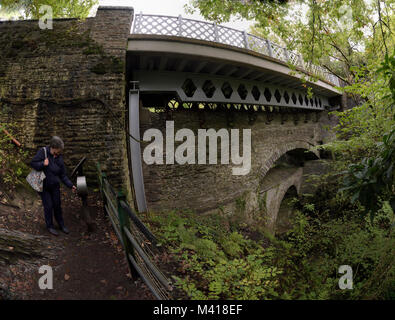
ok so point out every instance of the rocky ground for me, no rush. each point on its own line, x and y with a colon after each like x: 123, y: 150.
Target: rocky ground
x: 86, y: 265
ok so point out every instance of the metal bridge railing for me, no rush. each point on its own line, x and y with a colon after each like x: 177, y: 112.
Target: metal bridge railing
x: 195, y: 29
x: 137, y: 240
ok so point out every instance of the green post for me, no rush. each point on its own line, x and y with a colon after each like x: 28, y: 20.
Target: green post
x: 125, y: 222
x: 102, y: 177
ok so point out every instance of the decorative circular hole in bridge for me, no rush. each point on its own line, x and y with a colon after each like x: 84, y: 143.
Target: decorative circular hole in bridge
x: 277, y: 95
x: 256, y: 93
x: 187, y: 105
x: 173, y: 104
x: 267, y: 94
x: 242, y: 91
x: 189, y: 88
x: 208, y: 88
x: 212, y: 106
x: 227, y: 90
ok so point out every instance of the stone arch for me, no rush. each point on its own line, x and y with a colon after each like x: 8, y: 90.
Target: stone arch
x: 282, y: 223
x: 277, y: 181
x: 275, y: 195
x: 283, y: 149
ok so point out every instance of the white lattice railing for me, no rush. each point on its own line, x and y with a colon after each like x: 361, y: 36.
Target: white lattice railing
x: 195, y: 29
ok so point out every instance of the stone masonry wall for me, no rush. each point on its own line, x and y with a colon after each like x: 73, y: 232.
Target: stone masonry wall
x: 70, y: 82
x: 204, y: 188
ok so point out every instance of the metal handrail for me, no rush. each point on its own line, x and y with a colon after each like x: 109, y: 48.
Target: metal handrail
x: 145, y: 279
x: 146, y: 259
x: 143, y: 24
x: 141, y: 226
x: 131, y: 235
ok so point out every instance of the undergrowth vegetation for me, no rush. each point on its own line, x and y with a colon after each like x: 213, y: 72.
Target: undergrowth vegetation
x: 13, y: 168
x: 217, y: 261
x: 349, y: 220
x: 330, y: 228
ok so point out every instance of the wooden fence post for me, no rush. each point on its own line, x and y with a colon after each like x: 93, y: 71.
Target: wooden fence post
x: 125, y: 222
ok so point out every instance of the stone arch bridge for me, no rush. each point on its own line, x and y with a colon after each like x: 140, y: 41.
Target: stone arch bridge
x: 201, y: 75
x: 198, y: 74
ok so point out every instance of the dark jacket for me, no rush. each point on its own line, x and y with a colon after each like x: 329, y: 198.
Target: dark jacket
x: 54, y: 172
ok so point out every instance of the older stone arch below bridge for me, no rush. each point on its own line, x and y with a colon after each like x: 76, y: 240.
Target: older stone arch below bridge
x: 281, y: 171
x: 284, y: 148
x: 284, y: 177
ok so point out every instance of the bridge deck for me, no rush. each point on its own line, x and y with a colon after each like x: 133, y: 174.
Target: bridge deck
x: 201, y: 62
x: 211, y: 32
x: 169, y: 53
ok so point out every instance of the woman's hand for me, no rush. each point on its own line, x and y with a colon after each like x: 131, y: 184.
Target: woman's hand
x: 46, y: 162
x: 74, y: 188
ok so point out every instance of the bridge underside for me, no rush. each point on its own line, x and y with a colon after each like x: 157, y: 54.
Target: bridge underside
x: 190, y: 87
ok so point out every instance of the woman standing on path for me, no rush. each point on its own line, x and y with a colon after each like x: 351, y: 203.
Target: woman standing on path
x: 54, y: 169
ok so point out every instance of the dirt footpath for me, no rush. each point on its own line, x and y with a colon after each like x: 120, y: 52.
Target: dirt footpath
x: 88, y: 265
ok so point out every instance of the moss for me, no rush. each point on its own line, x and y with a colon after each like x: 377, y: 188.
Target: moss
x: 240, y: 204
x: 52, y: 41
x: 109, y: 65
x: 117, y: 65
x: 64, y: 39
x: 19, y: 43
x: 93, y: 49
x: 262, y: 202
x: 23, y: 42
x: 100, y: 68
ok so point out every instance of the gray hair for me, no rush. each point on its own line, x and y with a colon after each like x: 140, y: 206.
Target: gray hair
x: 56, y: 143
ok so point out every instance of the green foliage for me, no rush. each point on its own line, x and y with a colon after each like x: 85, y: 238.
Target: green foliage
x: 327, y: 238
x: 362, y: 127
x: 373, y: 177
x: 93, y: 49
x: 217, y: 264
x: 13, y: 168
x: 108, y: 65
x: 338, y: 34
x: 330, y: 228
x: 233, y: 244
x: 30, y: 9
x: 27, y: 42
x: 240, y: 204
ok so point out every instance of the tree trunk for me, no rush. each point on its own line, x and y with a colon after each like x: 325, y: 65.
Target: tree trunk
x: 15, y: 245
